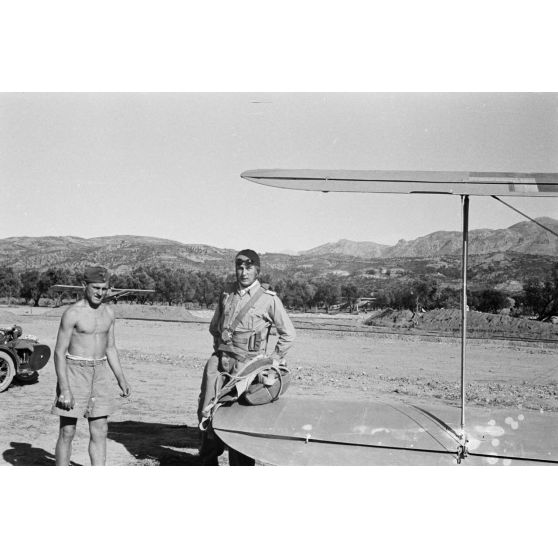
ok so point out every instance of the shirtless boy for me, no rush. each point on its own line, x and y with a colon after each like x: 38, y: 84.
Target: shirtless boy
x: 84, y: 347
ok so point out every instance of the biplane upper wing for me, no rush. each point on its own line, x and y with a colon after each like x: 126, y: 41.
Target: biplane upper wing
x: 410, y: 182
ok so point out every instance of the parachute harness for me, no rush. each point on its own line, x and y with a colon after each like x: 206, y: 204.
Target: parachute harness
x: 239, y: 382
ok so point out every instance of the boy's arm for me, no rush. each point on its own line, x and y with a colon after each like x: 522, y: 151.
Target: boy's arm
x: 67, y: 323
x: 114, y: 361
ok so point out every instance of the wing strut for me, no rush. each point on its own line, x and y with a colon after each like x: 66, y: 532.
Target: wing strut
x: 525, y: 215
x: 465, y: 209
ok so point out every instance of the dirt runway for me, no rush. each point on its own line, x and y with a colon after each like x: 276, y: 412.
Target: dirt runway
x: 163, y: 361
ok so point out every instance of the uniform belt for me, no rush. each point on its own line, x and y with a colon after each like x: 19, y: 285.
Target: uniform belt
x: 230, y: 350
x: 242, y: 337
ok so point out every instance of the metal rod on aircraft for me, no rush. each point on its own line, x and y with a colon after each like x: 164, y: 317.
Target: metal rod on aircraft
x: 465, y: 203
x: 525, y: 215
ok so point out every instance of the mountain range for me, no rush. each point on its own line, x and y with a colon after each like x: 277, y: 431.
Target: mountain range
x: 525, y: 237
x: 121, y: 253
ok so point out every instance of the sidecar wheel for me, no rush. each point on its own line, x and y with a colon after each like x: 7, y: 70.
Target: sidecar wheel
x: 7, y: 371
x: 28, y: 378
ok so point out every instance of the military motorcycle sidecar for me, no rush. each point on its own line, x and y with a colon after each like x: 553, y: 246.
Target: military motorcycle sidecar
x: 21, y: 357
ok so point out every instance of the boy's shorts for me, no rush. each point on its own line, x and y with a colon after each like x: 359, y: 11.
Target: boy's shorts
x: 90, y: 382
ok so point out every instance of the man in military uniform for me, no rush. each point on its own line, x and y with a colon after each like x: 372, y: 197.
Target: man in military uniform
x: 240, y: 328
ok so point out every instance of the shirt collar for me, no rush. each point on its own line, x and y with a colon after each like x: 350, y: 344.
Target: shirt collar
x: 249, y: 289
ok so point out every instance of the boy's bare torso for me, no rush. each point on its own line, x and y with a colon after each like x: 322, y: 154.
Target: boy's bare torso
x: 91, y: 330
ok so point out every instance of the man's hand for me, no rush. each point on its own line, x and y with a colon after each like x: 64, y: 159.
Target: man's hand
x: 126, y: 389
x: 66, y: 400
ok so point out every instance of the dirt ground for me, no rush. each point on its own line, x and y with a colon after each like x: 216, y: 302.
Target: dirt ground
x: 163, y: 361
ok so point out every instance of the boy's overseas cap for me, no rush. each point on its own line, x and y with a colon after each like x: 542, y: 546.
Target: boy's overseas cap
x: 96, y: 274
x: 248, y: 255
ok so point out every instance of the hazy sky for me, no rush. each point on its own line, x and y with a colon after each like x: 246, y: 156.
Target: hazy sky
x: 168, y: 165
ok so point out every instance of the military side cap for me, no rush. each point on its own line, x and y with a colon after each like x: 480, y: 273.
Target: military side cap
x: 96, y: 274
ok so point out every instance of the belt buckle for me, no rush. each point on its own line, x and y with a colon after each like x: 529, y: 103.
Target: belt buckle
x: 226, y: 336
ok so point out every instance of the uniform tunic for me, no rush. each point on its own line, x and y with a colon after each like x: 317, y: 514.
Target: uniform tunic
x: 267, y: 311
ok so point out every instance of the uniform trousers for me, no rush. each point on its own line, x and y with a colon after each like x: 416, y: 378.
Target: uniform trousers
x: 212, y: 382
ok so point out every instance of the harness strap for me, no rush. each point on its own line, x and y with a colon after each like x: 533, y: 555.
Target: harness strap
x: 221, y: 396
x: 244, y: 376
x: 208, y: 411
x: 244, y: 310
